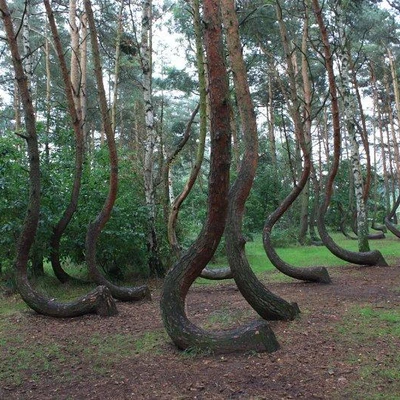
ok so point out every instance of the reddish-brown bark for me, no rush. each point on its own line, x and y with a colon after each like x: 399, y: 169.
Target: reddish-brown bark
x: 256, y: 336
x: 316, y: 274
x: 268, y: 305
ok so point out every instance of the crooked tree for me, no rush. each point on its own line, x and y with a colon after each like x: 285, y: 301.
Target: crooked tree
x: 99, y: 300
x: 364, y: 258
x: 96, y: 226
x: 257, y: 335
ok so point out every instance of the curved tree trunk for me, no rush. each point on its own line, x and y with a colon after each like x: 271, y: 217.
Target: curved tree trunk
x: 316, y: 274
x: 176, y: 204
x: 99, y: 300
x: 265, y: 303
x: 342, y: 224
x: 73, y: 102
x: 256, y: 336
x: 365, y: 258
x: 388, y: 219
x: 95, y: 227
x: 216, y: 274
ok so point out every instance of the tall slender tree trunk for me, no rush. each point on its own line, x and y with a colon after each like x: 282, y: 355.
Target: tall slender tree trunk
x: 265, y: 303
x: 75, y: 55
x: 155, y: 266
x: 37, y: 249
x: 83, y: 90
x: 71, y: 87
x: 48, y: 97
x: 350, y: 115
x: 272, y: 140
x: 117, y: 68
x: 391, y: 219
x: 305, y: 195
x: 26, y: 41
x: 382, y: 144
x: 176, y: 204
x: 363, y: 131
x: 318, y: 274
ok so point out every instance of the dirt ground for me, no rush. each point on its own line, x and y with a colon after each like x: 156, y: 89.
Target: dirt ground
x: 323, y: 355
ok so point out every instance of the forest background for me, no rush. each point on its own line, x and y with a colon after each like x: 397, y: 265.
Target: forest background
x: 157, y: 132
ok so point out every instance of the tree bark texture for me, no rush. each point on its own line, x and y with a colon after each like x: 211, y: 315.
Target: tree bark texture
x: 305, y: 196
x: 96, y: 226
x: 388, y: 219
x: 117, y: 68
x: 100, y: 300
x: 364, y: 258
x: 363, y: 130
x: 379, y: 123
x: 255, y: 336
x: 155, y: 267
x: 349, y: 108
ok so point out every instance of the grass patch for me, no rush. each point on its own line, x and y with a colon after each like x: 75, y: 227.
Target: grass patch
x: 104, y: 351
x: 373, y: 338
x: 151, y: 342
x: 10, y: 305
x: 305, y: 256
x: 226, y: 317
x: 18, y: 360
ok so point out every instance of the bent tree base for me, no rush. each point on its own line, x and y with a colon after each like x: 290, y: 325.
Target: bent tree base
x: 98, y: 301
x: 216, y: 274
x: 313, y: 274
x: 255, y: 336
x: 371, y: 258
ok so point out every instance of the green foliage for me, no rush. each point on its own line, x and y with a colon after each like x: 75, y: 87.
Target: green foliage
x: 14, y: 193
x: 122, y: 246
x: 101, y: 351
x: 121, y: 249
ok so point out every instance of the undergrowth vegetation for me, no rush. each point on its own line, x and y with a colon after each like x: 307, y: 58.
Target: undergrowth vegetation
x: 369, y: 331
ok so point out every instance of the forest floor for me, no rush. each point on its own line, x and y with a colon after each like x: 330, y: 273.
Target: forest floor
x: 344, y: 345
